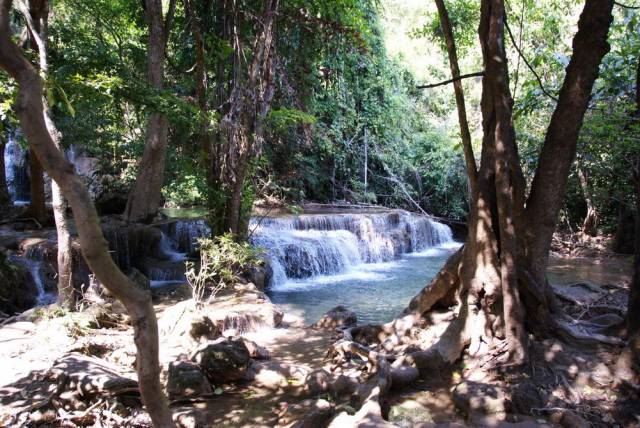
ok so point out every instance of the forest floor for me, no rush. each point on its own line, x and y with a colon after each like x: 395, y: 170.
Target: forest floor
x: 576, y: 380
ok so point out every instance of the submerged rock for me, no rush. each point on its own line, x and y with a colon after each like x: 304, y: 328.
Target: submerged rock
x: 185, y: 379
x: 223, y: 361
x: 338, y: 317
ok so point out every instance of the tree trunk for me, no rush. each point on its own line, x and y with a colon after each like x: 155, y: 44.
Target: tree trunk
x: 37, y: 205
x: 146, y: 194
x: 497, y: 274
x: 558, y: 152
x: 37, y: 22
x: 590, y: 223
x: 470, y: 161
x: 241, y: 129
x: 628, y: 366
x: 204, y: 133
x: 31, y: 114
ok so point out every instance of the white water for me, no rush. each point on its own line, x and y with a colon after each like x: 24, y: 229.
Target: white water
x: 317, y: 248
x: 16, y: 168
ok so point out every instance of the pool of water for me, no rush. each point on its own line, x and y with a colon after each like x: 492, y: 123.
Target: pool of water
x: 376, y: 292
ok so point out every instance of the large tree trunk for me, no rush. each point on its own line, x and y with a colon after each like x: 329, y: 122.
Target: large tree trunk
x: 628, y: 366
x: 31, y: 114
x: 497, y: 266
x: 145, y: 196
x: 469, y: 158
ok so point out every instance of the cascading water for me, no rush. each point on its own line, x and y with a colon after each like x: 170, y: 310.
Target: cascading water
x: 16, y: 168
x: 311, y: 245
x: 185, y: 233
x: 34, y: 260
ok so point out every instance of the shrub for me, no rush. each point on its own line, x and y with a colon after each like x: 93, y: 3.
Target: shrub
x: 222, y: 261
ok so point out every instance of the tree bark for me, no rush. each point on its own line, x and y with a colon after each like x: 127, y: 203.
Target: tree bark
x: 37, y: 208
x: 242, y: 126
x: 590, y: 223
x: 37, y: 205
x: 204, y: 133
x: 146, y: 193
x: 31, y: 113
x: 558, y: 152
x: 499, y: 294
x: 37, y: 22
x: 470, y: 161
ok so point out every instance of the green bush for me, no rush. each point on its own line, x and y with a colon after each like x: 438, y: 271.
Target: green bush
x: 222, y: 262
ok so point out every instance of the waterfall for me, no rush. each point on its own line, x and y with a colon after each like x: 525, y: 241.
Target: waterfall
x: 185, y: 233
x: 326, y: 244
x: 35, y: 261
x: 16, y: 167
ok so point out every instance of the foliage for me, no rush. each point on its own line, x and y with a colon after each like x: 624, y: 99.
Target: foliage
x: 222, y: 261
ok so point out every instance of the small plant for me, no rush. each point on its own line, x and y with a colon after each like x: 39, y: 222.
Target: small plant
x: 222, y: 261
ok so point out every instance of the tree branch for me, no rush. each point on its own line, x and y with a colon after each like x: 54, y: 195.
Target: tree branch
x: 515, y: 45
x: 455, y: 79
x: 625, y: 6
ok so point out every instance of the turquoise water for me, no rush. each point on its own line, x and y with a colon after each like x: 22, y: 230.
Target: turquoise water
x: 376, y: 292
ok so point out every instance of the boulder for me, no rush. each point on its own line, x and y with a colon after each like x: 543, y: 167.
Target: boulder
x: 338, y: 317
x: 186, y: 380
x: 223, y: 361
x: 90, y: 376
x: 479, y: 398
x: 260, y: 276
x: 276, y: 376
x: 318, y: 382
x: 256, y: 351
x: 403, y: 376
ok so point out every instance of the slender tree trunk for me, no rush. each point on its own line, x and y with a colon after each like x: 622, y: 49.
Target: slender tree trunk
x: 204, y: 129
x: 37, y: 205
x: 590, y: 223
x: 242, y: 126
x: 37, y: 22
x: 31, y: 114
x: 37, y: 208
x: 469, y: 158
x: 146, y: 194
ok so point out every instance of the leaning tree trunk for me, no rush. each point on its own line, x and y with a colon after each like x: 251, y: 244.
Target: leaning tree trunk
x: 145, y: 196
x: 470, y: 161
x: 31, y: 114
